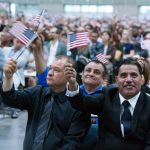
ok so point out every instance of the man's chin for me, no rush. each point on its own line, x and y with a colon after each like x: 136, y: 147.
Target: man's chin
x: 129, y: 94
x: 50, y: 83
x: 90, y: 82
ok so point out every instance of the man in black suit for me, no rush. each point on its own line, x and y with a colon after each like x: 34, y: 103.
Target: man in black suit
x: 125, y: 111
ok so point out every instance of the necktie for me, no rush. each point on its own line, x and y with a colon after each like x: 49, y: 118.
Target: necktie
x: 126, y: 118
x: 44, y: 125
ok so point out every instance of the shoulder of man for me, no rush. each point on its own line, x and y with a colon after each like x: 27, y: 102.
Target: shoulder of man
x: 38, y: 89
x: 111, y: 89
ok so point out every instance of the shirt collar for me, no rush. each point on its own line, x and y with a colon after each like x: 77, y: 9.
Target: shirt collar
x: 132, y: 100
x: 61, y: 96
x: 55, y: 44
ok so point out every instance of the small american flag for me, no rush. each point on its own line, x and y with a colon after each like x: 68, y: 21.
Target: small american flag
x: 77, y: 39
x: 102, y: 58
x: 22, y: 33
x: 37, y: 19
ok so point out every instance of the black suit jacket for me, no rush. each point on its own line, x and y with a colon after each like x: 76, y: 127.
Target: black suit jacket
x: 107, y: 106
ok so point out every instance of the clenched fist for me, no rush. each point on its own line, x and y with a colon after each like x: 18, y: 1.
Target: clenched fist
x: 10, y: 68
x: 70, y: 75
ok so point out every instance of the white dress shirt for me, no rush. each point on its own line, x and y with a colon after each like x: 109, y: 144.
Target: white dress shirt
x: 52, y: 53
x: 71, y: 93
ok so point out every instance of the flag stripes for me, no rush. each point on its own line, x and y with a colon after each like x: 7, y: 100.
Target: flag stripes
x: 102, y: 58
x: 22, y: 33
x: 77, y: 39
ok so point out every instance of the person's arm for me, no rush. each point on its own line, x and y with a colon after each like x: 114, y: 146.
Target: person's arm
x: 40, y: 63
x: 41, y: 78
x: 76, y: 132
x: 21, y: 99
x: 38, y: 53
x: 9, y: 69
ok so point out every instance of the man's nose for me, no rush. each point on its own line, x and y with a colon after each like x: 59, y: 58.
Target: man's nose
x: 91, y: 73
x: 129, y: 78
x: 51, y: 71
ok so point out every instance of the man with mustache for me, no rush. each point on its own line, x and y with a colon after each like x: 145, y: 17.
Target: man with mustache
x: 125, y: 110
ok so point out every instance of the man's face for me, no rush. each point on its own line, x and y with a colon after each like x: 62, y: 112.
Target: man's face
x: 88, y: 29
x: 135, y: 31
x: 55, y: 76
x: 93, y: 74
x: 4, y: 37
x: 53, y: 34
x: 93, y: 37
x: 129, y: 81
x: 125, y: 35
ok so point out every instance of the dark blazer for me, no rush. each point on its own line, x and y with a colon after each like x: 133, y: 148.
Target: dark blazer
x: 61, y: 49
x: 108, y: 106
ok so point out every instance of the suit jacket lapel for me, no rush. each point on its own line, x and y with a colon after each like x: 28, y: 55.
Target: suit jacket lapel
x: 117, y: 111
x: 138, y: 108
x: 58, y: 49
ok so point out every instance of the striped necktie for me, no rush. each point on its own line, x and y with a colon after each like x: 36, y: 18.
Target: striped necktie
x: 43, y: 126
x: 126, y: 118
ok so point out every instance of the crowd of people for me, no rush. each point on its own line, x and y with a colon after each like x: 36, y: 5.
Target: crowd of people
x: 74, y: 84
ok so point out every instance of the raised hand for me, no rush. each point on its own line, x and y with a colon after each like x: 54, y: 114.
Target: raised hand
x: 37, y: 48
x: 70, y: 75
x: 10, y: 68
x: 36, y: 45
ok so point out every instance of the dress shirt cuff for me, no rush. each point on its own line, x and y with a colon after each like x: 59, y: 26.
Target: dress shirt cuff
x: 71, y: 93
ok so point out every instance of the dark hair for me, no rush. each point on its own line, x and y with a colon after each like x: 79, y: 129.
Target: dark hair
x: 59, y: 30
x: 89, y: 25
x: 128, y: 61
x: 45, y: 35
x: 95, y: 30
x: 99, y: 62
